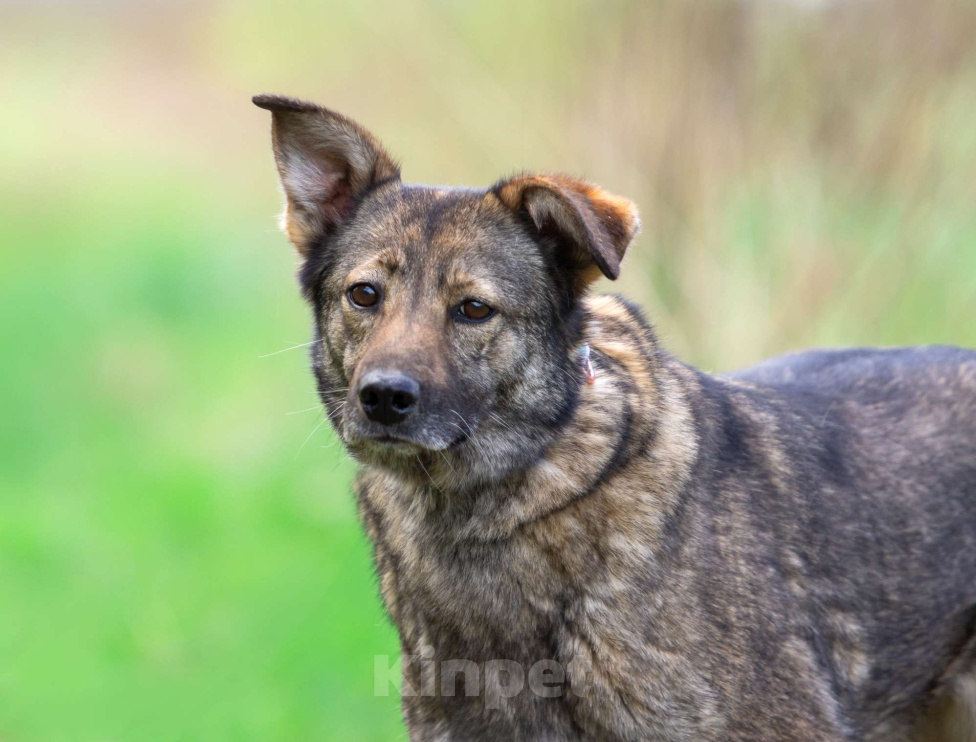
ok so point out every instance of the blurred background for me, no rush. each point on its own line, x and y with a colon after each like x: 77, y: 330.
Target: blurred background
x: 179, y: 552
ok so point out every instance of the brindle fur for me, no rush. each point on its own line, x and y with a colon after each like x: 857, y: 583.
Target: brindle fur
x: 783, y: 553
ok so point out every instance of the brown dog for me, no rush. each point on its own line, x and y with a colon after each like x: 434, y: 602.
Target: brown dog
x: 580, y: 537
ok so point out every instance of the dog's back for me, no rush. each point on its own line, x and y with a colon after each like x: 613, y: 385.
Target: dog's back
x: 881, y: 449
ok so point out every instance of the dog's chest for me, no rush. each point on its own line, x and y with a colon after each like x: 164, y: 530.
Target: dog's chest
x: 548, y: 596
x: 479, y: 601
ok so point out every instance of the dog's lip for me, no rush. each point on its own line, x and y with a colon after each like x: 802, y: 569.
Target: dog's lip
x: 390, y: 439
x: 395, y: 442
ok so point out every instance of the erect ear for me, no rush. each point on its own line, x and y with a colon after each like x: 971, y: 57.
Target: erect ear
x: 592, y: 227
x: 325, y: 161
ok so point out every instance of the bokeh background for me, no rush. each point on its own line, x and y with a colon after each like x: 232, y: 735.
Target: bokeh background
x: 179, y: 552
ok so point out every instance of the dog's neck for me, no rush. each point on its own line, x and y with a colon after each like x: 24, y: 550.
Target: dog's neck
x: 630, y: 405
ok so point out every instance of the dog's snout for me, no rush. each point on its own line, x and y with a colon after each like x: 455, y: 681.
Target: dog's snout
x: 388, y: 397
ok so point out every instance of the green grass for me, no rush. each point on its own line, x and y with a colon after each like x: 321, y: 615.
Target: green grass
x: 180, y: 557
x: 175, y: 564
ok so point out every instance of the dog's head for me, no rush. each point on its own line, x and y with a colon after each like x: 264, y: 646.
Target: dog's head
x: 448, y: 319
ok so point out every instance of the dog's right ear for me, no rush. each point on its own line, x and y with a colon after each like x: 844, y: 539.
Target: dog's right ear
x: 326, y: 162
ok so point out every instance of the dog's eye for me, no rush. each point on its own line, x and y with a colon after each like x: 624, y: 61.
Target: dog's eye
x: 363, y: 295
x: 474, y: 310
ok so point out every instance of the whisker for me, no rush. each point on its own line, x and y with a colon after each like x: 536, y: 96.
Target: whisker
x: 464, y: 421
x: 307, y: 409
x: 443, y: 456
x: 428, y: 475
x: 314, y: 430
x: 470, y: 436
x: 333, y: 444
x: 497, y: 418
x: 294, y: 347
x: 340, y: 460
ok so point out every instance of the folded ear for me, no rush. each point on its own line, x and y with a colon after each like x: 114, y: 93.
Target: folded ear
x: 325, y: 161
x: 592, y: 227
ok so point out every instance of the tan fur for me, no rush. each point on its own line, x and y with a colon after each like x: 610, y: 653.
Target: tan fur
x: 952, y: 717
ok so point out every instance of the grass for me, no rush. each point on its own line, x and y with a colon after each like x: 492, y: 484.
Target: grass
x: 179, y: 555
x: 177, y: 564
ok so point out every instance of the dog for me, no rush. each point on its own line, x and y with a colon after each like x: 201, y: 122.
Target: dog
x: 783, y: 553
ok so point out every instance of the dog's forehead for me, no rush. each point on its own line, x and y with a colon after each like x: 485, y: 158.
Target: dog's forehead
x: 436, y: 227
x: 434, y: 217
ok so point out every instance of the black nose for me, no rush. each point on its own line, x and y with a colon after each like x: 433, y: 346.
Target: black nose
x: 387, y: 397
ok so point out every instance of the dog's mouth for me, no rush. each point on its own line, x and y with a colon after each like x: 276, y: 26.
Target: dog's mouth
x: 389, y: 443
x: 393, y: 441
x: 430, y: 435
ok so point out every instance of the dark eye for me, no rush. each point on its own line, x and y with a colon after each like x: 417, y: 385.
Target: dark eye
x: 363, y: 295
x: 474, y: 310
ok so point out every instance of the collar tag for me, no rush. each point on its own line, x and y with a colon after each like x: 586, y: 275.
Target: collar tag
x: 587, y: 364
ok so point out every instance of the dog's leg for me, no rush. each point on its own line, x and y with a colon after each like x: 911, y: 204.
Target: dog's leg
x: 953, y: 718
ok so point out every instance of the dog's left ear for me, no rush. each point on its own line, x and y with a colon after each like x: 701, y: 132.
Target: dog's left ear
x: 326, y: 163
x: 592, y: 227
